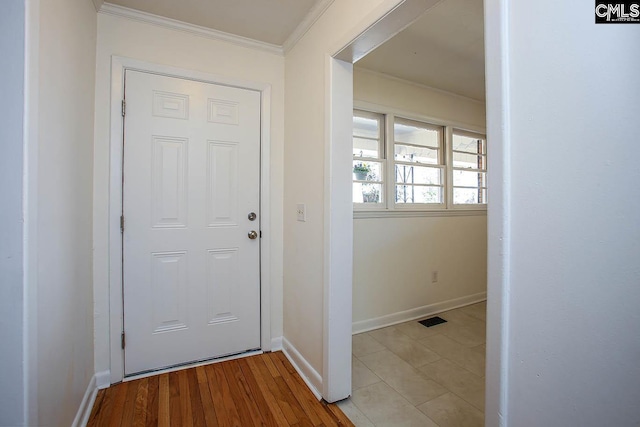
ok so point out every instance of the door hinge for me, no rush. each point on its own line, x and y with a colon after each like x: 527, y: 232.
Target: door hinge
x: 122, y: 341
x: 121, y: 223
x: 124, y: 107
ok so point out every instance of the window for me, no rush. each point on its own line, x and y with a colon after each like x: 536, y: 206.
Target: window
x: 418, y: 162
x: 401, y: 164
x: 469, y: 168
x: 368, y: 158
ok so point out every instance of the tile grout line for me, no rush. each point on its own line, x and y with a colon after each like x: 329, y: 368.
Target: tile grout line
x: 456, y: 323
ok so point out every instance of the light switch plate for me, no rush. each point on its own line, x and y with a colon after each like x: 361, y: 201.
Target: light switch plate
x: 301, y: 212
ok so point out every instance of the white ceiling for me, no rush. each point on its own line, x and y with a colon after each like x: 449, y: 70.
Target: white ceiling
x: 269, y: 21
x: 443, y: 49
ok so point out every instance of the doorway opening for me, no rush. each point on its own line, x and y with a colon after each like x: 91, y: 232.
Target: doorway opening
x: 341, y: 157
x: 420, y: 227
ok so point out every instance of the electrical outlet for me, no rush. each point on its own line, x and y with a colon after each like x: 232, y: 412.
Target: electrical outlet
x: 301, y: 212
x: 434, y: 277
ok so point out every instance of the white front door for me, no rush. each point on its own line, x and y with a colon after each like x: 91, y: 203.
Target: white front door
x: 191, y: 181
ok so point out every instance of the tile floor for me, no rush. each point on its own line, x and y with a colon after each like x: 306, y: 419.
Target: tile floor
x: 410, y: 375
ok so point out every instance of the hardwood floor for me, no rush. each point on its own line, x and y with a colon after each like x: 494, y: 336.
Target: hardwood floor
x: 262, y: 390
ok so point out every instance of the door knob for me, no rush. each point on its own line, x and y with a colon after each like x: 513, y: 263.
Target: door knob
x: 252, y: 216
x: 253, y: 234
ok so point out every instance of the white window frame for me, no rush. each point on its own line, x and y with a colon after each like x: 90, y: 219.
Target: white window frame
x: 389, y: 207
x: 391, y: 188
x: 382, y: 149
x: 470, y: 206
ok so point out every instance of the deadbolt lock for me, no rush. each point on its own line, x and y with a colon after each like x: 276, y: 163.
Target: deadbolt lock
x: 252, y: 216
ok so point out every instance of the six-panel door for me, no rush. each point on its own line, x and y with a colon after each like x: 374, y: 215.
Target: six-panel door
x: 191, y: 177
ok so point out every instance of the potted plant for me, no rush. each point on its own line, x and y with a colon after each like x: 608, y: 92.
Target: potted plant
x: 361, y: 170
x: 370, y: 195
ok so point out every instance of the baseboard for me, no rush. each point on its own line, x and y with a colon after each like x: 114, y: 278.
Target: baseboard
x: 416, y: 313
x: 84, y: 411
x: 276, y: 344
x: 310, y: 376
x: 103, y: 379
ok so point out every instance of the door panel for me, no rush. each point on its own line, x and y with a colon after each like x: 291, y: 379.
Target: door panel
x: 169, y: 291
x: 191, y: 176
x: 169, y: 198
x: 222, y: 193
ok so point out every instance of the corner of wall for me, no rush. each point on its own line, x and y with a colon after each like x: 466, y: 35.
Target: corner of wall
x: 103, y: 379
x: 98, y: 4
x: 84, y: 411
x: 310, y: 376
x: 276, y: 344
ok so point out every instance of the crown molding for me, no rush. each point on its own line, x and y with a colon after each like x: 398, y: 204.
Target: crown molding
x: 98, y: 4
x: 310, y: 18
x: 174, y: 24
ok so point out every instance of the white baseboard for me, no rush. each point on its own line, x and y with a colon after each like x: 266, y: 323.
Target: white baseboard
x: 84, y: 411
x: 416, y: 313
x: 103, y: 379
x: 310, y: 376
x: 276, y: 344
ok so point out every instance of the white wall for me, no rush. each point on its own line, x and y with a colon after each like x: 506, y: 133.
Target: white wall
x: 12, y: 370
x: 66, y: 69
x: 409, y: 97
x: 394, y: 257
x: 146, y: 42
x: 305, y: 140
x: 571, y: 216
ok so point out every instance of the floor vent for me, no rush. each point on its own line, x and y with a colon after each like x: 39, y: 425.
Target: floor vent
x: 432, y: 321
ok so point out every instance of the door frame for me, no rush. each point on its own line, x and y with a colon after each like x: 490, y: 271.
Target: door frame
x: 116, y: 133
x: 383, y: 23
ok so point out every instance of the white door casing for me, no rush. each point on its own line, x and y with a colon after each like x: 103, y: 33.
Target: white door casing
x: 191, y: 177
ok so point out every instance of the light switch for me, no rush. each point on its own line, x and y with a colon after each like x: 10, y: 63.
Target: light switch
x: 301, y: 212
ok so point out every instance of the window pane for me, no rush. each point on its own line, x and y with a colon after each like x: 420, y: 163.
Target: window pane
x: 406, y: 153
x: 464, y: 160
x: 468, y: 144
x: 367, y: 193
x: 367, y: 127
x: 366, y: 147
x: 406, y: 194
x: 418, y: 175
x: 412, y: 133
x: 469, y: 179
x: 467, y: 196
x: 367, y: 171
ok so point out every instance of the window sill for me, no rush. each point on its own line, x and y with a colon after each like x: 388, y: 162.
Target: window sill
x: 360, y: 214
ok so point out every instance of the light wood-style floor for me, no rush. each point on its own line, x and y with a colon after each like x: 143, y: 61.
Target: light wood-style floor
x: 262, y: 390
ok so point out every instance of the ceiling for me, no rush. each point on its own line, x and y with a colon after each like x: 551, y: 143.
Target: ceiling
x: 269, y: 21
x: 443, y: 49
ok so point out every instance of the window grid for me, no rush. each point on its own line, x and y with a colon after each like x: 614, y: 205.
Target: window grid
x: 473, y: 191
x: 421, y: 168
x: 417, y: 147
x: 368, y: 159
